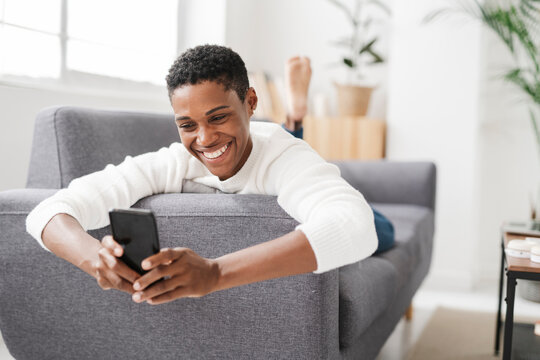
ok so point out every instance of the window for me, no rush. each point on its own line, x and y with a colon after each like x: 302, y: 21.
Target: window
x: 133, y: 40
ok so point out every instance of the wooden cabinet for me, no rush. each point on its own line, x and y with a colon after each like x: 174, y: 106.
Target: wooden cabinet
x: 343, y: 138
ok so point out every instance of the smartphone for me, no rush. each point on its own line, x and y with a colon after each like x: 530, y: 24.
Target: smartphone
x: 136, y: 231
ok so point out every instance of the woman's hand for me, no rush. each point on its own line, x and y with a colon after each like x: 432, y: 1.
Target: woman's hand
x: 186, y: 275
x: 111, y: 272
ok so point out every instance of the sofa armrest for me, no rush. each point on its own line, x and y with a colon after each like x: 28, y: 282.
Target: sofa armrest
x: 47, y: 300
x: 392, y: 181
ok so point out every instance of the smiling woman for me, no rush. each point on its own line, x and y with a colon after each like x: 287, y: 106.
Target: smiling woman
x: 220, y: 148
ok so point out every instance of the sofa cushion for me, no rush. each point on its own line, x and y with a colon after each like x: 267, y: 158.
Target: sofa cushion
x: 414, y: 228
x: 368, y: 288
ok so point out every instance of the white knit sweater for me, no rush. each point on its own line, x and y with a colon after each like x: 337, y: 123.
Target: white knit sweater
x: 333, y: 215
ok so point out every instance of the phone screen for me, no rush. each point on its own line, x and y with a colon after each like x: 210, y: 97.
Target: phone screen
x: 136, y: 231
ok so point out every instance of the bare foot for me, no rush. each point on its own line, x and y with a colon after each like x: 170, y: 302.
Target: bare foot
x: 297, y: 78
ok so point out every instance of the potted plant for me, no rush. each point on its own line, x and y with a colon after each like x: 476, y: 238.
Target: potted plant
x: 360, y: 52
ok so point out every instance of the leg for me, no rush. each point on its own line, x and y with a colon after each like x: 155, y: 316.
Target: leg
x: 297, y: 78
x: 385, y: 232
x: 408, y: 313
x: 499, y: 319
x: 509, y: 322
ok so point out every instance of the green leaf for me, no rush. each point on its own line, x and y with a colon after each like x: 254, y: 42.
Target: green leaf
x: 437, y: 14
x: 349, y: 62
x: 377, y: 59
x: 520, y: 78
x: 367, y: 46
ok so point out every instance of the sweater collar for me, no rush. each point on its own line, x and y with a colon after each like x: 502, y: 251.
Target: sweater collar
x: 237, y: 181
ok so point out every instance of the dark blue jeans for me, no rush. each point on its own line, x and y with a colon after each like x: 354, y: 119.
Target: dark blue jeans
x: 383, y: 226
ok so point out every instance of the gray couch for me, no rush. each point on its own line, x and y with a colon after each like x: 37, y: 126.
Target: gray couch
x: 49, y: 309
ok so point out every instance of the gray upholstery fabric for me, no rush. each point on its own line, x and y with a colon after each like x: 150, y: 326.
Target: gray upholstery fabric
x: 51, y: 302
x: 361, y: 305
x: 363, y: 296
x: 392, y: 182
x: 70, y: 142
x: 49, y: 309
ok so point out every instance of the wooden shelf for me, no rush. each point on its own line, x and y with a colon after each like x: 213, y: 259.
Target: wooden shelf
x: 519, y: 264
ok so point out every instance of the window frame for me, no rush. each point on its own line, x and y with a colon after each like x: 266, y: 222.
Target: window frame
x: 92, y: 84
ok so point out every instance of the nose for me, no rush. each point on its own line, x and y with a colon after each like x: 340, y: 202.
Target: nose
x: 206, y: 136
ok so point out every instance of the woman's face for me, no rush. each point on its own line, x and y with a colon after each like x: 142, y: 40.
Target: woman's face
x: 214, y: 125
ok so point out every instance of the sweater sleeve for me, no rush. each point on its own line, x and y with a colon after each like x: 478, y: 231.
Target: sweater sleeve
x: 89, y: 198
x: 334, y: 216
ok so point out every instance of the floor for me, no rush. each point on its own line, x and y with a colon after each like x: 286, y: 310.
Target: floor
x: 4, y: 353
x: 405, y: 335
x: 483, y: 298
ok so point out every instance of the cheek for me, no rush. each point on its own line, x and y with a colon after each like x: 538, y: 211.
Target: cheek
x: 186, y: 140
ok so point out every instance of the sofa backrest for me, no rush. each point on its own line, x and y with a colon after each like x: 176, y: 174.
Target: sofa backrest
x: 70, y: 142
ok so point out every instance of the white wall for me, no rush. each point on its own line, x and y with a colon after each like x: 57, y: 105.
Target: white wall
x: 433, y: 114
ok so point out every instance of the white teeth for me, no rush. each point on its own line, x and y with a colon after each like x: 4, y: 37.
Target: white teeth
x: 217, y: 153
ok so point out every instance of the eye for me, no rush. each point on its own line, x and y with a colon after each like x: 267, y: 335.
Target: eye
x: 186, y: 126
x: 218, y: 117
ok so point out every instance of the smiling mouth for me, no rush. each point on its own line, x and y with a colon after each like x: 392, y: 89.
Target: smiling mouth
x: 216, y: 154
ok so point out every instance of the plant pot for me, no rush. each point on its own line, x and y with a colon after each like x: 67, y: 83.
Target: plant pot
x: 353, y: 100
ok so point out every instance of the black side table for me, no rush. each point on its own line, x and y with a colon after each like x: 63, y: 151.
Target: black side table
x: 517, y: 268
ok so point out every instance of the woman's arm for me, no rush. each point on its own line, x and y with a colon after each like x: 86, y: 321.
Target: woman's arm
x: 89, y: 198
x: 287, y: 255
x: 66, y: 238
x: 193, y: 276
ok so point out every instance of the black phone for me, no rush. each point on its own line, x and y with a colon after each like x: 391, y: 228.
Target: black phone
x: 136, y: 231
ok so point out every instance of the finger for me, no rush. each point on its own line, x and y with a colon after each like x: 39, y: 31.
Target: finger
x: 115, y: 248
x: 102, y: 281
x: 164, y: 256
x: 171, y: 295
x: 117, y: 265
x: 154, y: 275
x: 117, y: 282
x: 159, y: 288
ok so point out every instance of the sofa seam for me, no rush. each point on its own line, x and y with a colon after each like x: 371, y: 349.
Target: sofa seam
x: 222, y: 215
x: 125, y: 112
x: 179, y: 215
x: 58, y: 147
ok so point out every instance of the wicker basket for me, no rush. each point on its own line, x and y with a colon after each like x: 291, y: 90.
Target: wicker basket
x: 529, y: 290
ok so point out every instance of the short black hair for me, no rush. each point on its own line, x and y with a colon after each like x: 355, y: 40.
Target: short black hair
x: 209, y: 63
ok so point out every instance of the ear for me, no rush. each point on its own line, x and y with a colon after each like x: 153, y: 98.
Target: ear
x: 251, y: 101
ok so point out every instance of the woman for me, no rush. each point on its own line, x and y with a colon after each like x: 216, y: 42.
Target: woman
x: 212, y: 102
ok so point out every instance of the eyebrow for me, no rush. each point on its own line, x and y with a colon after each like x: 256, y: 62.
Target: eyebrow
x: 179, y: 118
